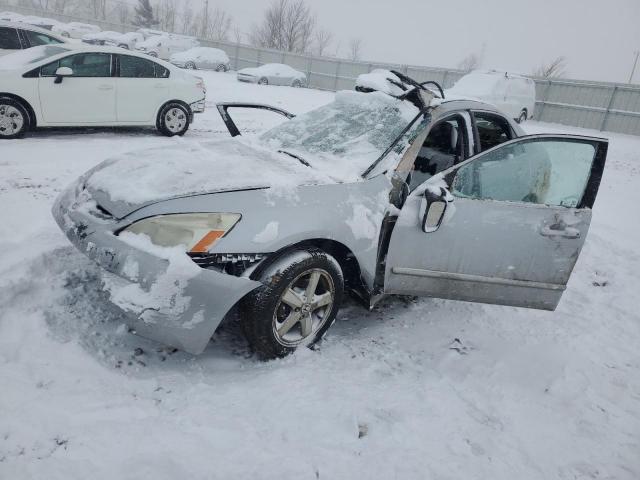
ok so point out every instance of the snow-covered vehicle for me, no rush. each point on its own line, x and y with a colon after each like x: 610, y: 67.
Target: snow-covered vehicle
x: 513, y: 94
x: 75, y: 29
x: 101, y: 38
x: 342, y: 198
x: 273, y: 74
x: 79, y: 85
x: 166, y: 45
x: 127, y: 41
x: 19, y: 36
x: 10, y: 17
x: 44, y: 23
x: 202, y: 58
x: 149, y: 32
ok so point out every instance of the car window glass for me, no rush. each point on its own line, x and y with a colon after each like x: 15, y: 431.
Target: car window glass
x: 442, y: 149
x: 36, y: 39
x: 134, y: 67
x: 83, y: 65
x: 550, y: 172
x: 9, y: 39
x: 492, y: 130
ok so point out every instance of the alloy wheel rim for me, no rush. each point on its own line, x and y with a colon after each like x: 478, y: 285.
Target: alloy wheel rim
x: 304, y: 307
x: 11, y: 120
x: 175, y: 120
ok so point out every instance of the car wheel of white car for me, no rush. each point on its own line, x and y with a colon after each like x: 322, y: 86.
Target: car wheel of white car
x: 297, y: 304
x: 297, y: 84
x: 153, y: 54
x: 14, y: 119
x: 124, y: 45
x: 263, y: 81
x: 221, y: 68
x: 190, y: 66
x: 65, y: 34
x: 523, y: 117
x: 173, y: 120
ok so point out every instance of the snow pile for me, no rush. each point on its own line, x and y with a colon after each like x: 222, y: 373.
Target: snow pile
x: 380, y: 80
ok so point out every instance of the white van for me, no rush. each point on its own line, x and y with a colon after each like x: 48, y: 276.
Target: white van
x: 166, y: 45
x: 513, y: 94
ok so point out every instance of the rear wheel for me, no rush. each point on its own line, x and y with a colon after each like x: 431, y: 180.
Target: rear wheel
x: 297, y: 84
x: 173, y: 119
x: 153, y: 54
x: 297, y: 304
x: 523, y: 116
x: 65, y: 34
x: 124, y: 45
x: 190, y: 65
x: 14, y: 119
x: 221, y: 68
x: 263, y: 81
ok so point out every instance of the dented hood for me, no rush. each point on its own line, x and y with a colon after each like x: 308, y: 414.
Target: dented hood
x: 126, y: 183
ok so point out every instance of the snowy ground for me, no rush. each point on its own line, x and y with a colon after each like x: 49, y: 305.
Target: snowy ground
x: 417, y: 389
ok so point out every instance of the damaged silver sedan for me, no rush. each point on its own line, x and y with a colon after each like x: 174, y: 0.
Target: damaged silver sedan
x: 391, y: 189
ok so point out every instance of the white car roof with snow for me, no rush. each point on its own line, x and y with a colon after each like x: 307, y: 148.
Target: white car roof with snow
x: 32, y: 28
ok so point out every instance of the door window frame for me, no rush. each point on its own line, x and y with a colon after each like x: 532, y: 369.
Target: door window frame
x: 477, y: 144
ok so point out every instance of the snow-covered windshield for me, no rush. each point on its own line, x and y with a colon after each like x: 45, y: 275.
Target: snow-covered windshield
x: 346, y: 136
x: 23, y: 58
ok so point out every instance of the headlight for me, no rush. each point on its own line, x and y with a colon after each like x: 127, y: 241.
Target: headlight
x: 197, y: 232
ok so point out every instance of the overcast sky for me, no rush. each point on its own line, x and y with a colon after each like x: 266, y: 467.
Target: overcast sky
x: 598, y: 37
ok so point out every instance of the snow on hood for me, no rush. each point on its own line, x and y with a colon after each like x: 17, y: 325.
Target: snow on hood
x: 127, y: 182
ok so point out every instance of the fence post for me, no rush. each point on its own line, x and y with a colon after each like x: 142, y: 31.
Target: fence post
x: 309, y: 62
x: 237, y: 59
x: 543, y: 101
x: 258, y: 57
x: 335, y: 83
x: 444, y: 79
x: 606, y: 113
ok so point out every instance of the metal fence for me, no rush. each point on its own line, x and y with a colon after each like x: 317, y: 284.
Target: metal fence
x: 601, y: 106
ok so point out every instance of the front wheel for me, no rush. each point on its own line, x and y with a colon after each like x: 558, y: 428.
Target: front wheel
x: 221, y: 68
x: 190, y: 65
x: 14, y: 119
x: 298, y: 302
x: 297, y: 84
x: 173, y: 119
x: 263, y: 81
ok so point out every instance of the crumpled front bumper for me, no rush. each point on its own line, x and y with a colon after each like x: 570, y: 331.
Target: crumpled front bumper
x: 187, y: 317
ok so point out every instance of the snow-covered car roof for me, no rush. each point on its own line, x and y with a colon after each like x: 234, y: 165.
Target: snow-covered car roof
x: 272, y: 69
x: 213, y: 54
x: 33, y: 28
x: 105, y: 35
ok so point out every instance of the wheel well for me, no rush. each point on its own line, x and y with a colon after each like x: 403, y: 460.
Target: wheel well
x: 343, y: 255
x: 184, y: 104
x: 32, y: 114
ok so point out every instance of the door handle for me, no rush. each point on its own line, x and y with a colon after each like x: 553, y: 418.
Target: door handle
x: 559, y: 230
x: 105, y: 87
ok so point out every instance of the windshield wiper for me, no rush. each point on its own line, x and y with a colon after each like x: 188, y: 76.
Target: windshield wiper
x: 293, y: 155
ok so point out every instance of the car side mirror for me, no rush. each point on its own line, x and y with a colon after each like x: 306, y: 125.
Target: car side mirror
x: 433, y: 206
x: 61, y: 73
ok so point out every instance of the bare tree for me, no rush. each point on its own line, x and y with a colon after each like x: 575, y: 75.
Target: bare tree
x: 218, y: 25
x: 555, y: 68
x: 123, y: 13
x: 355, y: 49
x: 144, y: 14
x: 470, y: 62
x: 287, y: 25
x: 237, y: 35
x: 167, y: 15
x: 97, y: 9
x: 187, y: 19
x: 321, y: 41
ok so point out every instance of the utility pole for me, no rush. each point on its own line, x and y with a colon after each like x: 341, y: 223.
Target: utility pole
x: 635, y: 64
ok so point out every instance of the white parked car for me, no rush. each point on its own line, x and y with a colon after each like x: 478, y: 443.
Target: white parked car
x: 273, y: 74
x: 10, y: 17
x: 75, y: 29
x: 513, y: 94
x: 126, y: 40
x: 76, y: 85
x: 101, y: 38
x: 202, y: 58
x: 46, y: 23
x: 166, y: 45
x: 149, y: 32
x: 18, y: 36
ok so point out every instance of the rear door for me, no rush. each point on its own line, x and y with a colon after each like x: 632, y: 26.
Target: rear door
x: 87, y: 97
x: 516, y: 219
x: 142, y: 87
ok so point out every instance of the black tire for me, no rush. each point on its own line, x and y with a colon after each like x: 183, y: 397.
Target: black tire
x: 263, y: 81
x: 173, y: 119
x: 124, y: 45
x: 14, y: 119
x: 297, y: 84
x: 190, y: 66
x: 221, y: 68
x: 153, y: 54
x: 265, y: 308
x: 65, y: 35
x: 523, y: 117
